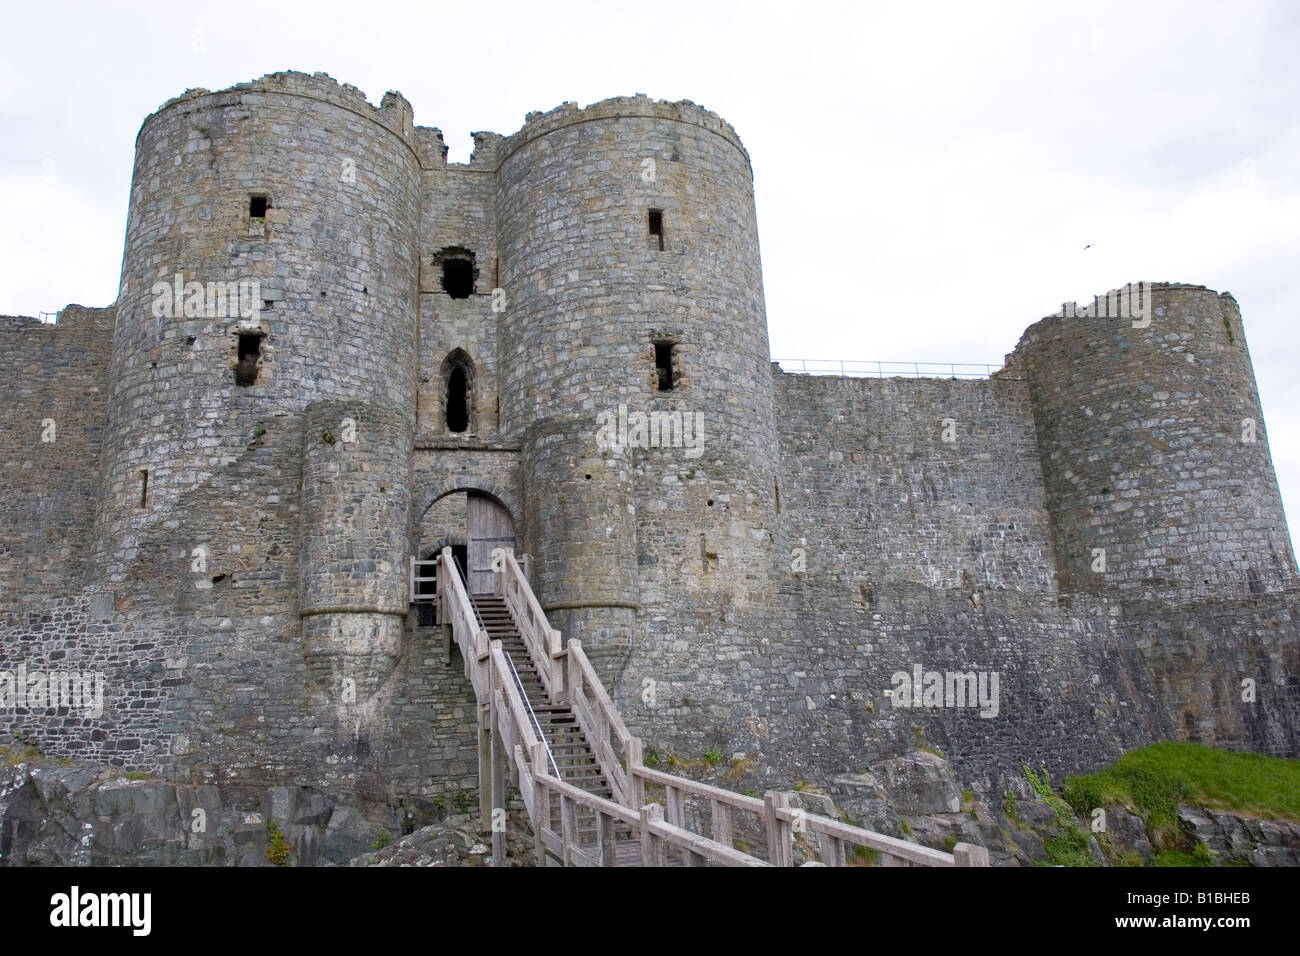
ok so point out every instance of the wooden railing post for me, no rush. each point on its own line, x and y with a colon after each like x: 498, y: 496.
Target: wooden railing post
x: 605, y: 839
x: 652, y: 847
x: 568, y: 828
x: 485, y: 766
x: 562, y: 687
x: 721, y: 820
x: 968, y: 854
x: 780, y: 846
x: 572, y: 683
x: 635, y: 784
x: 498, y: 790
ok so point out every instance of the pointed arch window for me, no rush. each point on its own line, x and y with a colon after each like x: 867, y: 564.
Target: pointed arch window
x: 458, y: 397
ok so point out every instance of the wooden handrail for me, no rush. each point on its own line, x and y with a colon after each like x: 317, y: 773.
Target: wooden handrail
x: 738, y: 800
x: 472, y: 640
x: 856, y: 836
x: 595, y: 714
x: 568, y: 674
x: 541, y: 640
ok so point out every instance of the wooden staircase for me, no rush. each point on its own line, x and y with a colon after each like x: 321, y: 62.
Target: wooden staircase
x: 573, y: 760
x: 548, y: 726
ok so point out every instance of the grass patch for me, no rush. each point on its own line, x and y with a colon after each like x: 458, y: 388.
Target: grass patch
x: 1069, y: 846
x: 1201, y: 856
x: 17, y: 755
x: 382, y: 839
x: 739, y: 767
x: 712, y: 756
x: 1155, y: 780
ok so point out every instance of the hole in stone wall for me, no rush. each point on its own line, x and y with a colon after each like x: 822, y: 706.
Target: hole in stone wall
x: 656, y: 230
x: 664, y: 365
x: 1253, y: 582
x: 144, y: 488
x: 458, y: 277
x: 776, y: 489
x: 457, y: 404
x: 257, y: 206
x: 249, y: 351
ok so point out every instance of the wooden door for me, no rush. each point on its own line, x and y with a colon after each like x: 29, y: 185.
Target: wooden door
x: 489, y: 526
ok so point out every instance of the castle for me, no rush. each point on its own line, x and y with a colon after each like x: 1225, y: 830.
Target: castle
x: 334, y: 353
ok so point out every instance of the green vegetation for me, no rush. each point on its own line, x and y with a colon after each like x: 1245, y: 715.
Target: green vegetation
x: 1201, y: 856
x: 1069, y: 847
x: 382, y: 839
x: 277, y: 852
x: 712, y: 756
x: 864, y: 856
x: 1153, y: 782
x: 1011, y: 808
x: 327, y: 438
x: 23, y: 754
x: 920, y: 743
x: 739, y: 767
x: 650, y: 758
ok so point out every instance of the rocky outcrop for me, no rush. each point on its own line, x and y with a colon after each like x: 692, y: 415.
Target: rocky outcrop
x: 65, y: 814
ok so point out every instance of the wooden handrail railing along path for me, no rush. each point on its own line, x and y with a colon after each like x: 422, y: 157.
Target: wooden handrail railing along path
x: 697, y: 823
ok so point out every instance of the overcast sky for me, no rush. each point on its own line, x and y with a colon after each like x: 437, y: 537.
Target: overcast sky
x: 927, y: 176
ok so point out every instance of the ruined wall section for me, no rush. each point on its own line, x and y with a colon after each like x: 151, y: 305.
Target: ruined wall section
x: 1140, y: 430
x: 51, y: 426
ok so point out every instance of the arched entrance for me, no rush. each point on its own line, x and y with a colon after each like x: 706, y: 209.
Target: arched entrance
x: 472, y: 522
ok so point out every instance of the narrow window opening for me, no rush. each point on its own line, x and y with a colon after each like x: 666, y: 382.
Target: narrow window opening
x: 657, y: 230
x: 457, y: 406
x: 144, y: 488
x: 776, y: 487
x: 250, y: 350
x: 664, y: 365
x: 1253, y: 582
x: 257, y: 206
x: 458, y: 277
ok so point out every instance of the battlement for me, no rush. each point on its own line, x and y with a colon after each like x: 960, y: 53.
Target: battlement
x: 393, y: 113
x: 537, y: 124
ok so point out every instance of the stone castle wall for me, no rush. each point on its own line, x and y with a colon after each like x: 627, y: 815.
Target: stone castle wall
x: 51, y: 429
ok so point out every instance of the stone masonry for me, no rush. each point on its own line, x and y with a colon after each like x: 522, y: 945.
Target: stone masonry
x: 209, y: 500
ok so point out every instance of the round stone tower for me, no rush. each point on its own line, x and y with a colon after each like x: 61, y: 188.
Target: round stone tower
x: 634, y: 334
x: 1153, y: 447
x: 270, y: 267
